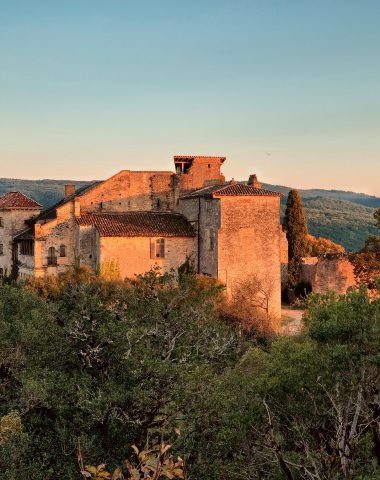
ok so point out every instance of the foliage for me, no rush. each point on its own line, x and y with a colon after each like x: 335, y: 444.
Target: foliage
x: 319, y: 246
x: 10, y: 424
x: 105, y: 362
x: 153, y: 464
x: 367, y: 262
x: 296, y: 233
x: 114, y: 364
x: 110, y: 270
x: 307, y: 408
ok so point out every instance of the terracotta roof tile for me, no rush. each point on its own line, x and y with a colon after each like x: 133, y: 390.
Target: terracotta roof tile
x: 16, y: 200
x: 245, y: 190
x: 138, y: 224
x: 232, y: 189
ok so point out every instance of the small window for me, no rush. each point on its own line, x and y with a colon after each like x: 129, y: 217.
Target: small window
x: 1, y: 249
x: 212, y: 239
x: 1, y: 222
x: 158, y: 248
x: 52, y: 256
x: 158, y: 203
x: 26, y: 247
x: 62, y: 251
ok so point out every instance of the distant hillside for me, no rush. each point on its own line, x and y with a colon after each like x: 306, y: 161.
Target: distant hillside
x: 45, y: 192
x: 341, y: 221
x: 344, y: 217
x: 359, y: 198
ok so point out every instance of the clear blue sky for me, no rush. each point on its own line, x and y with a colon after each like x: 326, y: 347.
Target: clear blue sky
x: 284, y: 88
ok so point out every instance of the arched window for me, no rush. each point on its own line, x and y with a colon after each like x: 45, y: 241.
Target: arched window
x: 62, y: 251
x: 52, y: 256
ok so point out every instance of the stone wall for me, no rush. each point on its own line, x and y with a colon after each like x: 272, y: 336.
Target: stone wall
x: 333, y: 272
x: 131, y: 191
x: 88, y: 247
x: 61, y: 231
x: 13, y: 222
x: 308, y: 269
x: 249, y: 245
x: 132, y: 255
x: 203, y: 171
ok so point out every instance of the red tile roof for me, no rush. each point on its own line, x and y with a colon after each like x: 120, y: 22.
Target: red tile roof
x: 232, y: 189
x: 241, y: 189
x: 17, y: 200
x: 138, y: 224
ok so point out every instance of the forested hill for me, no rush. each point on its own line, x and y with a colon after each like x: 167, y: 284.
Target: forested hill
x: 45, y: 192
x: 344, y: 217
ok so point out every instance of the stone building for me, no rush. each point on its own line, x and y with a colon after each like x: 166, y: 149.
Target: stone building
x: 138, y: 219
x: 16, y: 211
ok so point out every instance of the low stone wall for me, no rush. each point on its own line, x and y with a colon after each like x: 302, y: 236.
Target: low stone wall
x: 331, y: 271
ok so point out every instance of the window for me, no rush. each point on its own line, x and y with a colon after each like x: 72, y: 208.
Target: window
x: 52, y: 256
x: 62, y: 251
x: 157, y: 248
x: 212, y: 239
x: 1, y: 249
x: 26, y: 247
x: 1, y: 222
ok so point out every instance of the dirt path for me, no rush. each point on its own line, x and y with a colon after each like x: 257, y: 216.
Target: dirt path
x: 291, y: 320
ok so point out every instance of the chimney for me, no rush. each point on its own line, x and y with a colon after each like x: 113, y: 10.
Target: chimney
x: 69, y: 190
x: 253, y: 181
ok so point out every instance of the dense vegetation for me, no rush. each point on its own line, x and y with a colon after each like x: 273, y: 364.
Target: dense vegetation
x: 343, y: 217
x: 115, y: 364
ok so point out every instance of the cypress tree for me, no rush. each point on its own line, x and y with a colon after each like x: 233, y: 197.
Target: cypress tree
x: 296, y: 233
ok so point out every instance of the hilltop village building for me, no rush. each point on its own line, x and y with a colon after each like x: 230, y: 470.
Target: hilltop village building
x: 138, y: 219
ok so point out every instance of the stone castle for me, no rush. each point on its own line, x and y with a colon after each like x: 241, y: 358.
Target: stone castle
x: 138, y: 219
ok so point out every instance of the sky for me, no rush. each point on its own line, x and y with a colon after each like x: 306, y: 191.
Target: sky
x: 286, y: 89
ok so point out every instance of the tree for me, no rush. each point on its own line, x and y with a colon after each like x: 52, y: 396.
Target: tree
x: 296, y: 233
x: 321, y: 245
x: 367, y: 261
x: 105, y: 363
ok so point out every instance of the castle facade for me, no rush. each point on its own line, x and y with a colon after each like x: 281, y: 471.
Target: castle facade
x: 138, y: 219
